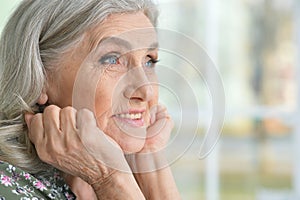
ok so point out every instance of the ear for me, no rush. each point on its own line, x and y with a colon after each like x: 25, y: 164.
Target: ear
x: 42, y: 100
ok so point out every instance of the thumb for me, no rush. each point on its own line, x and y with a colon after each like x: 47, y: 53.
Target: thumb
x: 28, y: 118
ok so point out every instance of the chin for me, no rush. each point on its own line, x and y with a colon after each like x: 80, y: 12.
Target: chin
x: 132, y: 145
x: 130, y: 139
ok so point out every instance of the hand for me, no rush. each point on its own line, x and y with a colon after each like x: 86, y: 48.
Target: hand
x: 150, y: 167
x: 71, y: 141
x: 159, y: 131
x: 151, y: 157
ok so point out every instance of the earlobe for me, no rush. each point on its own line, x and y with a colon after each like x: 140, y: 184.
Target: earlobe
x: 43, y: 98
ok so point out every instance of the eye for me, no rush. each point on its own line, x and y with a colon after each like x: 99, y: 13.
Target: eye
x: 151, y: 62
x: 110, y: 60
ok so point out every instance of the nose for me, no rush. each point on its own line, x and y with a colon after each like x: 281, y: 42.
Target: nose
x: 139, y: 87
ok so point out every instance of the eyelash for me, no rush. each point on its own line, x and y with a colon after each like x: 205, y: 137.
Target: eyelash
x: 152, y: 61
x: 105, y: 60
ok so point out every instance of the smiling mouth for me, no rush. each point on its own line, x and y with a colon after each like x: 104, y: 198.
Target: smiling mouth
x: 132, y: 119
x: 134, y: 116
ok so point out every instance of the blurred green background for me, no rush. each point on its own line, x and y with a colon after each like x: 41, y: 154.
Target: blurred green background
x: 6, y: 9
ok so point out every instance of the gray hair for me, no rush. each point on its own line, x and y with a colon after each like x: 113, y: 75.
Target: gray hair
x: 34, y: 37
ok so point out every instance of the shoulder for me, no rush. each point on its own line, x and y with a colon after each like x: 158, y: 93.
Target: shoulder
x: 18, y: 184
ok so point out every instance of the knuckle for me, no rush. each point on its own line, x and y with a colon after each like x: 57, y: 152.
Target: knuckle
x: 35, y: 127
x: 51, y: 109
x: 85, y: 113
x: 35, y: 119
x: 161, y: 107
x: 68, y: 110
x: 170, y: 120
x: 68, y: 113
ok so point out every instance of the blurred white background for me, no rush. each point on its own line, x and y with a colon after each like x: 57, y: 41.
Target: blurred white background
x: 255, y: 44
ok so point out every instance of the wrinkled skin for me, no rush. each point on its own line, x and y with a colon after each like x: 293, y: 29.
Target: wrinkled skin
x: 84, y: 132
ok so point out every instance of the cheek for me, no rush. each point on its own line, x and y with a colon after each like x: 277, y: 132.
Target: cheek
x: 60, y: 87
x: 104, y: 101
x: 155, y: 85
x: 155, y: 95
x: 103, y: 111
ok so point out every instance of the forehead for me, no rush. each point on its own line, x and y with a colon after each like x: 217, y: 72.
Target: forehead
x: 135, y: 28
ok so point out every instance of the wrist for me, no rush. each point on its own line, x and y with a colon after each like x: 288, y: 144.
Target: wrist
x: 105, y: 181
x: 103, y: 171
x: 158, y: 185
x: 95, y: 173
x: 147, y: 162
x: 117, y: 186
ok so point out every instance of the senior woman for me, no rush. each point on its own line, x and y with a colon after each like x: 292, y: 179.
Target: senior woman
x: 78, y: 94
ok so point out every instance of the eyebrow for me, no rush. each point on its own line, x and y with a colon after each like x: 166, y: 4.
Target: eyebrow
x: 125, y: 43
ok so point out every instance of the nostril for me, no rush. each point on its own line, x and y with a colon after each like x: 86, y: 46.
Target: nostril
x: 136, y: 99
x: 143, y: 93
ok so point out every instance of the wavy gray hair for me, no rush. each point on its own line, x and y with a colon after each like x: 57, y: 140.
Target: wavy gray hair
x: 34, y: 37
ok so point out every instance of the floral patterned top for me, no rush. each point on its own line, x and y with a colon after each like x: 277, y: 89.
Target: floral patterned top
x: 17, y: 184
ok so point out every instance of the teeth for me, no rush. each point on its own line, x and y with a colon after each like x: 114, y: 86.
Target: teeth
x: 130, y: 116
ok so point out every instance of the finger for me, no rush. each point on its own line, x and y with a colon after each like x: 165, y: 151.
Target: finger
x: 162, y: 127
x: 97, y: 143
x: 162, y: 114
x: 153, y: 111
x: 85, y: 119
x: 161, y: 108
x: 86, y: 124
x: 169, y: 124
x: 68, y: 120
x: 156, y: 110
x: 156, y: 128
x: 36, y: 130
x: 28, y: 118
x: 89, y: 131
x: 51, y: 119
x: 68, y: 125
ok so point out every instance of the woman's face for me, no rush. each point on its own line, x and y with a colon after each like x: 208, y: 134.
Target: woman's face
x: 111, y: 72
